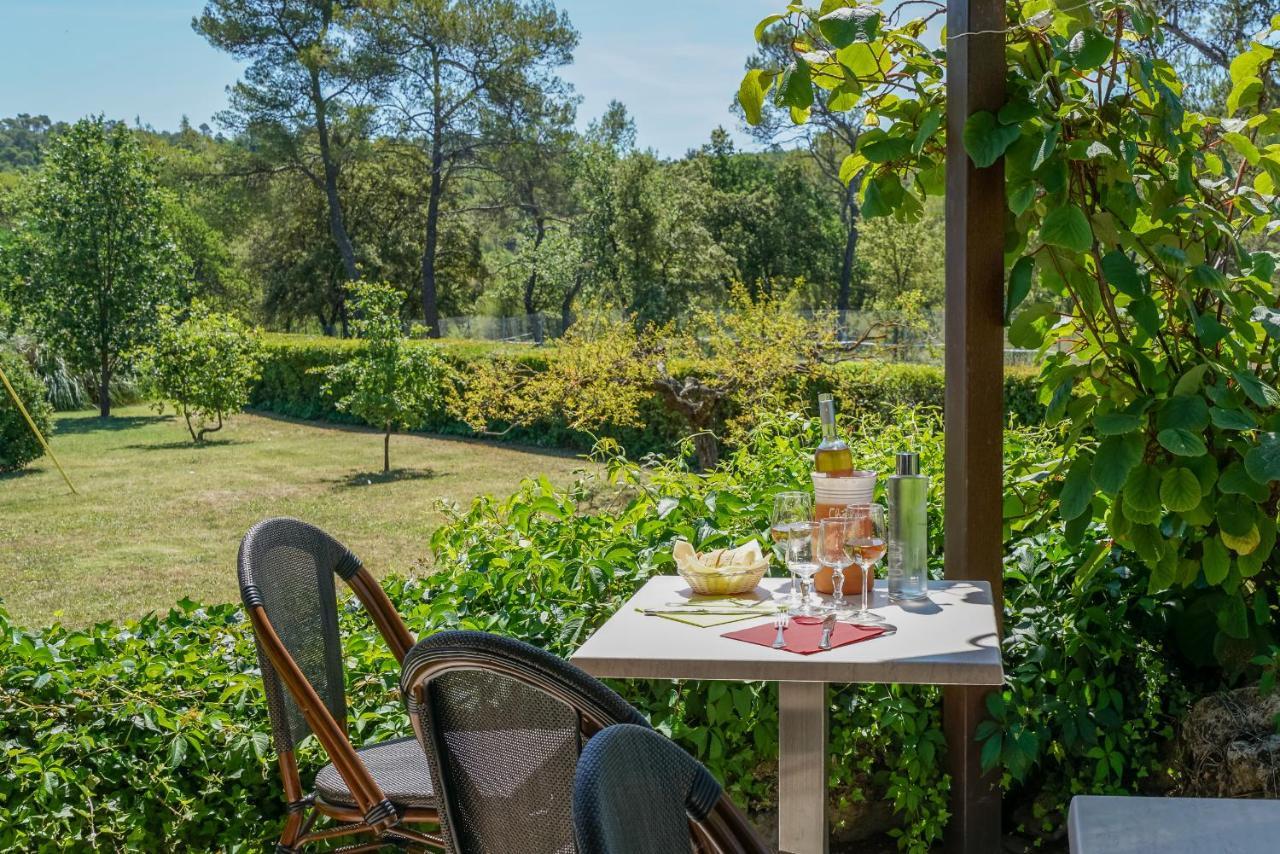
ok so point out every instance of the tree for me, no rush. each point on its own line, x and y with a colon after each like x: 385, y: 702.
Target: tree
x: 1202, y: 38
x: 391, y: 382
x: 297, y: 98
x: 204, y: 365
x: 93, y: 255
x: 445, y: 66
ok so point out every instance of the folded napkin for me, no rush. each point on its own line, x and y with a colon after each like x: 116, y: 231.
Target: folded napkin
x: 707, y: 611
x: 803, y: 634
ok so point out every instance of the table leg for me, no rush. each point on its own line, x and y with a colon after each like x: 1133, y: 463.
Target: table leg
x: 802, y: 768
x: 975, y: 797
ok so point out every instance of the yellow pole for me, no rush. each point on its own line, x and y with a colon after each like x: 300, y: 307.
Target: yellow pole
x: 36, y: 430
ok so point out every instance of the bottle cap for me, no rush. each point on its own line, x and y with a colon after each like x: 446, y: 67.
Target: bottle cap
x: 908, y: 463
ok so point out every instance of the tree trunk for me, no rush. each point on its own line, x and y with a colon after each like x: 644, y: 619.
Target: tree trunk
x: 566, y: 305
x: 850, y: 248
x: 430, y: 300
x: 531, y: 283
x: 386, y: 450
x: 337, y: 225
x: 104, y: 387
x: 706, y: 450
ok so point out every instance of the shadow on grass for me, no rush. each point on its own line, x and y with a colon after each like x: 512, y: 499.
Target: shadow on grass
x: 71, y: 426
x: 373, y: 478
x: 185, y: 444
x: 19, y: 473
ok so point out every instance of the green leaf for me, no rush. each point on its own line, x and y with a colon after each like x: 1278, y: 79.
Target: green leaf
x: 1256, y: 390
x: 752, y: 92
x: 177, y: 751
x: 1146, y: 314
x: 844, y: 26
x: 1116, y: 457
x: 1019, y: 285
x: 797, y: 89
x: 1179, y: 490
x: 1089, y: 48
x: 986, y: 140
x: 1142, y: 490
x: 928, y: 126
x: 1028, y: 328
x: 1244, y: 93
x: 1233, y: 617
x: 1236, y: 481
x: 1182, y: 443
x: 1191, y: 381
x: 1188, y: 412
x: 1117, y: 423
x: 1120, y: 271
x: 1243, y: 146
x: 1268, y: 317
x: 1077, y: 491
x: 885, y: 148
x: 1232, y: 419
x: 1215, y: 560
x: 1045, y: 149
x: 1068, y: 227
x: 765, y: 23
x: 1262, y: 462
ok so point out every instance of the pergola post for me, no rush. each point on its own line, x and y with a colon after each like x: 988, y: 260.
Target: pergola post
x: 974, y: 359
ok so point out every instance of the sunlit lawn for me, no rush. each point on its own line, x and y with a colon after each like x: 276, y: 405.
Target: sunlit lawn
x: 158, y: 519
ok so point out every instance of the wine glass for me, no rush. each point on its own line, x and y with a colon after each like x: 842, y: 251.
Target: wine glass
x: 865, y: 543
x: 802, y: 561
x: 789, y: 510
x: 833, y: 551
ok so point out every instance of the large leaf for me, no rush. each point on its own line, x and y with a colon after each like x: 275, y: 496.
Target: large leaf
x: 1019, y: 285
x: 1182, y: 443
x: 1142, y: 490
x: 1116, y: 457
x: 1068, y: 227
x: 986, y: 140
x: 1179, y: 490
x: 1262, y: 462
x: 844, y: 26
x: 1256, y: 390
x: 752, y: 92
x: 1122, y: 273
x: 1089, y: 48
x: 1188, y: 412
x: 1215, y: 560
x: 797, y: 89
x: 1117, y: 423
x: 1077, y: 491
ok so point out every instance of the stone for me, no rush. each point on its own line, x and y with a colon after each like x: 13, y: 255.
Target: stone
x: 1229, y: 747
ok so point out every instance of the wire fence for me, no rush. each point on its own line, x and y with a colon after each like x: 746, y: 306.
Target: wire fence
x: 893, y: 336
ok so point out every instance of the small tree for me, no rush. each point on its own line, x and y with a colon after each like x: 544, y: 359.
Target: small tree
x: 203, y: 365
x: 92, y: 254
x: 391, y: 382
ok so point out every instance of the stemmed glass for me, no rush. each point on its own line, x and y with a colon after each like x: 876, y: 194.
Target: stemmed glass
x: 833, y: 551
x: 802, y: 562
x: 865, y: 544
x: 789, y: 509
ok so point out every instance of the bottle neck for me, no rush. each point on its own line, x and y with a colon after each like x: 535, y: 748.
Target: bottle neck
x: 827, y: 412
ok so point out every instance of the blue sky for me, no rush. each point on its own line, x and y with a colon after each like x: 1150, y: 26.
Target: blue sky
x: 675, y: 64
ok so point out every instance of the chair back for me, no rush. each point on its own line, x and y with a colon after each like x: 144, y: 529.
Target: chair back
x: 503, y: 724
x: 287, y: 568
x: 637, y: 792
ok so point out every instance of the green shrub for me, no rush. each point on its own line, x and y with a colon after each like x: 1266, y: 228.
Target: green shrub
x: 289, y: 386
x: 18, y: 446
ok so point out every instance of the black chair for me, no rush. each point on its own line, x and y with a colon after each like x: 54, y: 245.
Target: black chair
x: 636, y: 792
x: 503, y: 724
x: 286, y: 573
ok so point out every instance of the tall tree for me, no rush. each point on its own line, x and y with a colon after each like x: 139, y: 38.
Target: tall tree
x: 93, y: 255
x: 299, y: 96
x: 445, y: 65
x: 1203, y: 36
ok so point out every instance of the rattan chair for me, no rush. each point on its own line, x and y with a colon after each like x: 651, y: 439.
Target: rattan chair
x: 502, y: 724
x: 286, y: 572
x: 636, y: 792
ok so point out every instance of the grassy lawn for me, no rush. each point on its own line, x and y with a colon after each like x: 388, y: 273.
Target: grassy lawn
x: 158, y: 518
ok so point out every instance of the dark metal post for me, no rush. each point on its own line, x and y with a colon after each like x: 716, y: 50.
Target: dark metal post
x: 974, y: 388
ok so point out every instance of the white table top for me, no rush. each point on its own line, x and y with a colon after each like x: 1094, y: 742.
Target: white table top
x: 948, y: 640
x: 1122, y: 825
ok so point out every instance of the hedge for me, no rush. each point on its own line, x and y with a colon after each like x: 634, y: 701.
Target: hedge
x: 288, y: 387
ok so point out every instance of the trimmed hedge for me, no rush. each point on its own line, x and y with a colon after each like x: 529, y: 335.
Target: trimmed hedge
x: 17, y: 444
x: 288, y: 387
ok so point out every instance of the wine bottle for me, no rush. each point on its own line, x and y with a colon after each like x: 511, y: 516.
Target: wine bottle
x: 833, y: 457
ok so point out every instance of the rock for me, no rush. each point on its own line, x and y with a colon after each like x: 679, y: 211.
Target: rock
x: 1229, y: 747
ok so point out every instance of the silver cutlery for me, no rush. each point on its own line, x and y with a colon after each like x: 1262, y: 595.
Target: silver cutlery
x: 828, y: 626
x: 781, y: 621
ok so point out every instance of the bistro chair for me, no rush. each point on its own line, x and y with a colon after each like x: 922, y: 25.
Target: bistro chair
x: 286, y: 571
x: 502, y: 724
x: 636, y: 792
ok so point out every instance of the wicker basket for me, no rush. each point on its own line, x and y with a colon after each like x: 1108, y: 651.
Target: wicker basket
x: 726, y: 582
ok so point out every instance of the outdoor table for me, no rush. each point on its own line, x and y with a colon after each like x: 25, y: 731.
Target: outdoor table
x: 949, y: 639
x: 1101, y: 824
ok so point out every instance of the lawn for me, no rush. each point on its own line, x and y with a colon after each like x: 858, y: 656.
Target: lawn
x: 158, y: 519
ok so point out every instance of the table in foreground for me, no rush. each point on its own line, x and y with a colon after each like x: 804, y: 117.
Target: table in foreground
x: 1123, y: 825
x: 950, y: 639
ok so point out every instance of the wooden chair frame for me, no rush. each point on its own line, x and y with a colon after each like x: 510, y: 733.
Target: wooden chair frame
x: 374, y: 815
x: 725, y: 830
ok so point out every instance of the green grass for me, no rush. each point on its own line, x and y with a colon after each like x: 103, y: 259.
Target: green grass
x: 158, y: 519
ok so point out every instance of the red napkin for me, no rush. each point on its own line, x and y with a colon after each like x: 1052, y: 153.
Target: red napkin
x: 803, y: 634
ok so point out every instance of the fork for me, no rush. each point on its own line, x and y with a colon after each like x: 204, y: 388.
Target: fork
x: 780, y: 622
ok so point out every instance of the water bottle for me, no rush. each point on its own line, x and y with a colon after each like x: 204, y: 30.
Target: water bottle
x: 908, y: 492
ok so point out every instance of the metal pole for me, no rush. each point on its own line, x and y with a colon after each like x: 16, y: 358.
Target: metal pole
x: 975, y: 208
